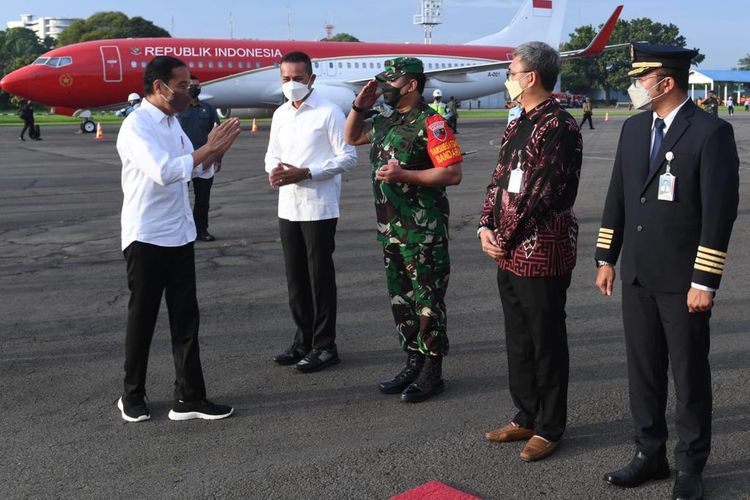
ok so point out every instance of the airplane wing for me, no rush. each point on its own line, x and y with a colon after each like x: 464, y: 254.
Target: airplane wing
x: 597, y: 45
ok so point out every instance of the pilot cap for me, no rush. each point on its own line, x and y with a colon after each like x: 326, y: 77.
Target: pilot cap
x: 646, y: 57
x: 134, y: 97
x: 400, y: 66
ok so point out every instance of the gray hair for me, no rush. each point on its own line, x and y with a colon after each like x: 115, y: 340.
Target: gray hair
x: 540, y: 57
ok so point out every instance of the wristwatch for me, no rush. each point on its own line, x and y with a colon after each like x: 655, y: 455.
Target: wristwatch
x: 357, y: 108
x: 600, y: 263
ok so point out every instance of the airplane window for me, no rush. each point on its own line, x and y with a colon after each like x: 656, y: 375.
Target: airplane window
x: 341, y: 65
x: 200, y: 64
x: 372, y: 65
x: 330, y: 65
x: 241, y: 64
x: 221, y: 64
x: 429, y: 65
x: 257, y: 64
x: 378, y: 65
x: 133, y: 64
x: 191, y: 64
x: 40, y: 60
x: 443, y: 65
x: 316, y: 64
x: 356, y: 65
x: 349, y: 65
x: 210, y: 64
x: 230, y: 65
x: 143, y: 64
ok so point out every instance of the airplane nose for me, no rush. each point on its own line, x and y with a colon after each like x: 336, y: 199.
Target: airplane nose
x: 18, y: 83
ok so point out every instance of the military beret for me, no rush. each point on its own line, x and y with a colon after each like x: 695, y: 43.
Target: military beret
x: 645, y: 57
x: 400, y: 66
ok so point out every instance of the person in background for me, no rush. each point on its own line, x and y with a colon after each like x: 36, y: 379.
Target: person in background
x: 437, y: 104
x: 730, y: 106
x: 587, y: 113
x: 197, y: 120
x: 451, y: 115
x: 27, y: 115
x: 514, y: 112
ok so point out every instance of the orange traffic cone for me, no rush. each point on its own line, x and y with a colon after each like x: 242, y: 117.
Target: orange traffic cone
x: 255, y: 126
x: 99, y: 131
x: 606, y: 116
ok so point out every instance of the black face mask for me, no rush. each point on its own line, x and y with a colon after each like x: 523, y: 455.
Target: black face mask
x: 194, y: 92
x: 391, y: 95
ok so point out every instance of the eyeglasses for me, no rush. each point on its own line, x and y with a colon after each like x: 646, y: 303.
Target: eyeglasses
x: 638, y: 82
x: 509, y: 74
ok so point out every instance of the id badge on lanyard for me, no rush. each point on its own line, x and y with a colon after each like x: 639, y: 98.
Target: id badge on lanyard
x: 667, y: 181
x: 515, y: 183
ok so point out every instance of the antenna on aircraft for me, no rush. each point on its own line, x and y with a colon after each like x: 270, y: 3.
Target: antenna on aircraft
x: 430, y: 16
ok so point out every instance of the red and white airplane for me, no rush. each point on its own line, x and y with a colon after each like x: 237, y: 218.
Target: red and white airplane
x: 240, y: 77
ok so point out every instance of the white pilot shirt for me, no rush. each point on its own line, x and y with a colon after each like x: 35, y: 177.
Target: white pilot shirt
x: 156, y: 167
x: 311, y: 136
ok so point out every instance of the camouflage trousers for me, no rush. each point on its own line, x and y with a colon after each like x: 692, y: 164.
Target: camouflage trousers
x: 417, y: 277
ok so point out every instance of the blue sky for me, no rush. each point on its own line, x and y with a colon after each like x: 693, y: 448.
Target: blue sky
x: 723, y: 34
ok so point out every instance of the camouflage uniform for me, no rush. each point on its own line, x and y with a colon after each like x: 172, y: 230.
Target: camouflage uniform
x: 413, y: 224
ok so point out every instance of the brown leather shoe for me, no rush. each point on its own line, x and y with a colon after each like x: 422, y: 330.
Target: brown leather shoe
x: 511, y: 432
x: 537, y: 448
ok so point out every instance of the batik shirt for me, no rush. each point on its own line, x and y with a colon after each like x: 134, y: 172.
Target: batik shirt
x: 418, y: 140
x: 536, y: 226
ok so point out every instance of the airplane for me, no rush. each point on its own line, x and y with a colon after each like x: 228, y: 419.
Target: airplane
x: 240, y: 77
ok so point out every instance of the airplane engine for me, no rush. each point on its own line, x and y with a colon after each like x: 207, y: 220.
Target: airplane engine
x: 225, y: 113
x: 341, y: 96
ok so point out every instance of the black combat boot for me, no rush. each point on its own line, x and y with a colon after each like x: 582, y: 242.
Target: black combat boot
x: 414, y: 362
x: 428, y: 383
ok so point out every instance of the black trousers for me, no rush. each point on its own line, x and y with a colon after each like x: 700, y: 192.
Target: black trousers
x: 153, y: 270
x: 202, y: 190
x: 27, y: 125
x: 537, y: 344
x: 311, y: 278
x: 587, y: 117
x: 659, y: 328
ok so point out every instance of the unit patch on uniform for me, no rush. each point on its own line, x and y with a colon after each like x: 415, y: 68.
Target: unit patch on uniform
x: 438, y: 130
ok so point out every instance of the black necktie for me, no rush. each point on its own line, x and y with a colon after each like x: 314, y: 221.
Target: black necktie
x: 658, y: 138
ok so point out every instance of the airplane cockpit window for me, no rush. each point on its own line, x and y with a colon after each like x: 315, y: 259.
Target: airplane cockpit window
x: 41, y: 60
x: 65, y: 61
x: 52, y: 62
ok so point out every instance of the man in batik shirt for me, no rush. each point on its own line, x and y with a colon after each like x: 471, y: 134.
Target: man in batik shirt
x: 414, y: 157
x: 529, y: 229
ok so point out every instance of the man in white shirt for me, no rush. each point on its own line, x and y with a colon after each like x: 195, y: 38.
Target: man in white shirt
x: 305, y: 159
x: 157, y: 238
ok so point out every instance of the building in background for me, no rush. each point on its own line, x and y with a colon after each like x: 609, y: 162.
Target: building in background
x: 42, y: 26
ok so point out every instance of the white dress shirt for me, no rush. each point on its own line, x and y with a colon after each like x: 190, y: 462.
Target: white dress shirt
x: 157, y: 165
x: 311, y: 136
x: 667, y: 123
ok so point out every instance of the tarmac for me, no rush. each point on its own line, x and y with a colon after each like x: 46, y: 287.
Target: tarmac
x: 327, y: 435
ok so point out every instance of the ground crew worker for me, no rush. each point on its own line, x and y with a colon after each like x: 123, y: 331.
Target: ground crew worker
x: 414, y: 156
x: 587, y: 113
x: 437, y: 103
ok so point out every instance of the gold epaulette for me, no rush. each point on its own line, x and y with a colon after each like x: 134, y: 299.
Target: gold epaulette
x: 710, y: 260
x: 605, y: 238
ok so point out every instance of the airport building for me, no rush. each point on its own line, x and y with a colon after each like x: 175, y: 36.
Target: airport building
x: 42, y: 26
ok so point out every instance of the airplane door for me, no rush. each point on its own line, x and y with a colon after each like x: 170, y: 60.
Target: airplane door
x: 111, y: 63
x: 330, y: 68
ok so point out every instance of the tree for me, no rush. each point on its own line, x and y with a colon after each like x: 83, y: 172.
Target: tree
x: 107, y: 25
x: 341, y: 37
x: 609, y: 70
x: 744, y: 63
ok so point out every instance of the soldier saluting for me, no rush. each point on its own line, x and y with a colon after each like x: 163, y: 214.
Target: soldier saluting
x: 670, y: 208
x: 414, y: 156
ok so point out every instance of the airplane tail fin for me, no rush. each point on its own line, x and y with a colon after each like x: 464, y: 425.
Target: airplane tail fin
x: 535, y: 20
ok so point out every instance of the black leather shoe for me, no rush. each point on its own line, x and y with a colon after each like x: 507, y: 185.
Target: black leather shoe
x: 428, y: 383
x: 317, y: 359
x: 640, y: 470
x: 414, y: 363
x: 205, y: 237
x: 687, y: 487
x: 290, y: 356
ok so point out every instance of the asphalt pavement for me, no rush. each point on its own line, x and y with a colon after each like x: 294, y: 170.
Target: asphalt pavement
x: 327, y: 435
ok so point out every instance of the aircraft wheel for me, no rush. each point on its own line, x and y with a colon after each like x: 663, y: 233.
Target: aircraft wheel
x: 88, y: 127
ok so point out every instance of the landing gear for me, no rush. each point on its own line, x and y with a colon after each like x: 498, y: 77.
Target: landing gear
x: 88, y: 127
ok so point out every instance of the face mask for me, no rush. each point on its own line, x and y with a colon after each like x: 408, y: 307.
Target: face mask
x: 179, y: 100
x: 194, y: 92
x: 639, y: 95
x: 391, y: 95
x: 514, y: 88
x: 295, y: 91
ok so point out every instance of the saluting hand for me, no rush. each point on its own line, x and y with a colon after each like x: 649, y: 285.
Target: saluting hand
x: 368, y: 95
x: 605, y: 278
x: 699, y: 300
